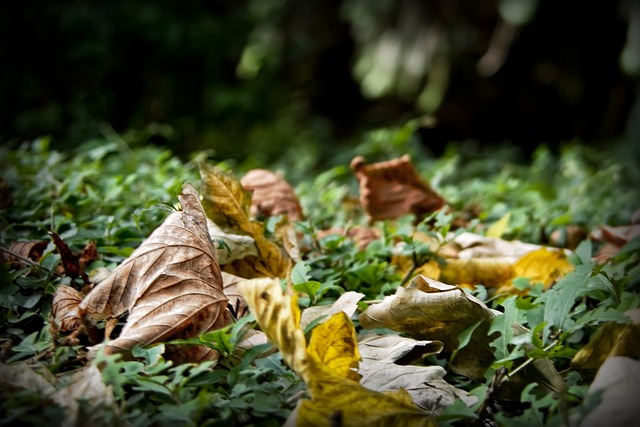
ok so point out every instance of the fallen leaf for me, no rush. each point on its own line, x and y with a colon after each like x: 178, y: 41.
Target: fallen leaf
x: 20, y: 251
x: 171, y: 285
x: 272, y: 195
x: 393, y: 188
x: 568, y: 237
x: 362, y: 236
x: 84, y: 386
x: 498, y: 228
x: 66, y: 301
x: 227, y: 204
x: 70, y: 261
x: 470, y: 245
x: 611, y: 339
x: 540, y: 266
x: 347, y: 303
x: 381, y: 370
x: 334, y: 344
x: 614, y: 238
x: 430, y: 310
x: 334, y: 397
x: 235, y: 299
x: 619, y: 382
x: 471, y: 259
x: 230, y: 247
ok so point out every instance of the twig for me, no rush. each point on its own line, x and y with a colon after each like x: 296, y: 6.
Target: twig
x: 527, y: 362
x: 414, y: 267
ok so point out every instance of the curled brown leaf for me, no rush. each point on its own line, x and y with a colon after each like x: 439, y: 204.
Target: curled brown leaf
x: 171, y: 285
x: 64, y: 307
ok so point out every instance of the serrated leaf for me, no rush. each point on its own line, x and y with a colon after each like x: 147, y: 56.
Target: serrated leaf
x: 560, y: 299
x: 504, y: 326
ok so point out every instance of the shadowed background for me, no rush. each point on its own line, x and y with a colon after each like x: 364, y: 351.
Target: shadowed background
x: 248, y: 78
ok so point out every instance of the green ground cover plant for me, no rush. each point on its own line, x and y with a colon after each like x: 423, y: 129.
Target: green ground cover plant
x: 114, y: 192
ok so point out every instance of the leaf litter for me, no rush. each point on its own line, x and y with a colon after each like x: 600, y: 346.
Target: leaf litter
x: 211, y: 263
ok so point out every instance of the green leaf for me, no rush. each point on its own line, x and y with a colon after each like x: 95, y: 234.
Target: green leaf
x: 310, y: 288
x: 560, y: 299
x: 300, y: 273
x: 503, y: 324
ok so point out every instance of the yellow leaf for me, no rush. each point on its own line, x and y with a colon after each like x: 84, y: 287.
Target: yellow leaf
x: 227, y: 204
x: 335, y: 399
x: 490, y: 272
x: 348, y: 404
x: 540, y: 266
x: 334, y: 344
x: 611, y: 339
x: 498, y: 228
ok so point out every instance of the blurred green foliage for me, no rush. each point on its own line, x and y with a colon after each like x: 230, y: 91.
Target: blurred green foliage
x: 295, y: 82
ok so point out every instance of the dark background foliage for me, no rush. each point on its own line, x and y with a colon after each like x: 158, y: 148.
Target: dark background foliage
x: 248, y: 78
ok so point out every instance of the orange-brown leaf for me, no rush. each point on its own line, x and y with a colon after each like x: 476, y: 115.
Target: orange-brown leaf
x: 272, y: 195
x: 392, y: 188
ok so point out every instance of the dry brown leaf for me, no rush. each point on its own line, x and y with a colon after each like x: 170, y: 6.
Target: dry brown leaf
x: 171, y: 285
x: 392, y: 189
x: 31, y: 250
x: 362, y: 236
x: 615, y: 238
x: 227, y: 204
x: 230, y: 289
x: 85, y: 385
x: 272, y: 195
x: 64, y: 307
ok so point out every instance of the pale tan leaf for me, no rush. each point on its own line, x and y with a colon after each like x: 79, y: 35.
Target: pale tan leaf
x: 393, y: 188
x: 64, y: 308
x: 618, y: 384
x: 347, y: 303
x: 230, y: 247
x: 171, y: 285
x: 431, y: 310
x: 425, y: 384
x: 272, y: 195
x: 471, y: 245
